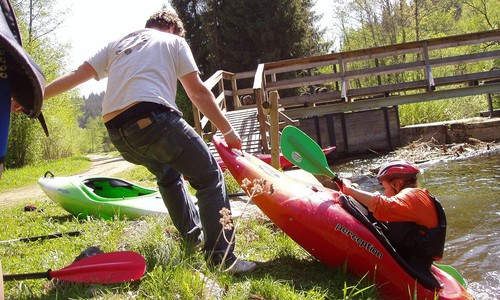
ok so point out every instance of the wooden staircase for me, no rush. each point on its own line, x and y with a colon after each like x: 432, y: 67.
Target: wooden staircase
x: 246, y: 124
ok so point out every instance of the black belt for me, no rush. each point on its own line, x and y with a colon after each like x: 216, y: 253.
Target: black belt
x: 129, y: 128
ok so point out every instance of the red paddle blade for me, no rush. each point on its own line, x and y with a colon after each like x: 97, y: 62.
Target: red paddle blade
x: 106, y: 268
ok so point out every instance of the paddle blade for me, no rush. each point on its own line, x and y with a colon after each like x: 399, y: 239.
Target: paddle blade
x: 453, y: 273
x: 304, y: 152
x: 106, y: 268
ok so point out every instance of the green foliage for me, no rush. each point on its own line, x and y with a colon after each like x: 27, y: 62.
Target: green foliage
x: 479, y: 15
x: 173, y: 270
x: 264, y: 31
x: 95, y: 135
x: 65, y: 139
x: 27, y: 142
x: 366, y: 24
x: 442, y: 110
x: 23, y: 147
x: 238, y: 34
x: 184, y: 104
x: 91, y: 108
x: 15, y: 178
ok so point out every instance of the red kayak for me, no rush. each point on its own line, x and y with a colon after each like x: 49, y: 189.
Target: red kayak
x: 284, y: 163
x: 331, y: 227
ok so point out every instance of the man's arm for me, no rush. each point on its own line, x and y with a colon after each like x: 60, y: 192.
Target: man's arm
x: 204, y: 100
x: 70, y: 80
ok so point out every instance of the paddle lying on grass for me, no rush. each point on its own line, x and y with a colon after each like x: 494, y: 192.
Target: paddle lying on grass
x: 306, y: 154
x: 105, y: 268
x: 44, y: 237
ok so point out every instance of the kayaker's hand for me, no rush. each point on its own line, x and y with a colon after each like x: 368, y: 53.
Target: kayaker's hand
x: 15, y: 107
x: 344, y: 185
x: 233, y: 140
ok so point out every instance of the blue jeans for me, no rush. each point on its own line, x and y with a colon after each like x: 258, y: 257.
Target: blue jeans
x: 168, y: 148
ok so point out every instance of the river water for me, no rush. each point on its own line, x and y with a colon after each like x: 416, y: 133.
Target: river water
x: 469, y: 190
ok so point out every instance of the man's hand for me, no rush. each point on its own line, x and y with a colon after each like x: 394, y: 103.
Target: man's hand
x: 233, y: 140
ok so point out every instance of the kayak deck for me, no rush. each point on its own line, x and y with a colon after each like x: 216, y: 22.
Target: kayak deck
x: 102, y: 197
x: 111, y: 189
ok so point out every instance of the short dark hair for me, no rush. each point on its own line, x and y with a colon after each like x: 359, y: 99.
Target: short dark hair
x: 166, y: 19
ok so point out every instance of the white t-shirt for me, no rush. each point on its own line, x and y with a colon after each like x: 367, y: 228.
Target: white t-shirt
x: 143, y: 66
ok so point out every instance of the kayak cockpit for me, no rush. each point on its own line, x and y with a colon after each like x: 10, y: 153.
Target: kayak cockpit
x: 361, y: 213
x: 113, y: 189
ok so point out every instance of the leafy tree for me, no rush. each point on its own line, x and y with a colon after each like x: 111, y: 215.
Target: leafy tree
x: 92, y: 107
x: 95, y: 134
x: 22, y: 148
x: 480, y: 15
x: 365, y: 24
x: 38, y: 21
x: 192, y: 13
x: 262, y: 31
x: 65, y: 137
x: 236, y: 35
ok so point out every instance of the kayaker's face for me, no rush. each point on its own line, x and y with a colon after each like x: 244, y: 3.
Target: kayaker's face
x: 389, y: 189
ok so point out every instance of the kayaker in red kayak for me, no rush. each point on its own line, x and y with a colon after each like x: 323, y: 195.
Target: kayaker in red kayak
x: 146, y: 126
x: 412, y: 219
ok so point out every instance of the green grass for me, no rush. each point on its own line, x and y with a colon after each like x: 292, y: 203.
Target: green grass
x: 443, y: 110
x: 173, y: 272
x: 15, y: 178
x: 285, y: 270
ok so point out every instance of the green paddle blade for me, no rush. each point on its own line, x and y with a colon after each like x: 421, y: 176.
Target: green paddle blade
x: 304, y: 152
x: 453, y: 273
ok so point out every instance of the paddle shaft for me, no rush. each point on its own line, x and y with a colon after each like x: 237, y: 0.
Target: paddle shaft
x: 324, y: 168
x: 239, y: 194
x: 43, y: 237
x: 27, y: 276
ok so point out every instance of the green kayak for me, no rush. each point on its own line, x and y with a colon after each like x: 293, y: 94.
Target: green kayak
x: 102, y: 197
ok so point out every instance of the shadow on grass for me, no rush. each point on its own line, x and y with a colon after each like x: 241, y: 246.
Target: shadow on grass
x: 62, y: 219
x: 305, y: 274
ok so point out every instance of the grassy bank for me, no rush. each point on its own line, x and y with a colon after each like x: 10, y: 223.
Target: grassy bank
x: 174, y: 271
x: 16, y: 178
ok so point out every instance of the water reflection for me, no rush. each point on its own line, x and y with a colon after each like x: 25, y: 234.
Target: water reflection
x: 469, y: 190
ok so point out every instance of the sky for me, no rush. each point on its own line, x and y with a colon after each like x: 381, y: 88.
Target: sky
x: 91, y: 24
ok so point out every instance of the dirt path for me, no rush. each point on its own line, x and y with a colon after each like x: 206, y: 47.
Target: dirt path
x: 102, y: 165
x: 108, y: 166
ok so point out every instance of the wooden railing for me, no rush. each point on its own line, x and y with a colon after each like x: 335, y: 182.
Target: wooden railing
x: 364, y: 79
x: 216, y: 84
x: 240, y: 91
x: 381, y: 76
x: 383, y: 72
